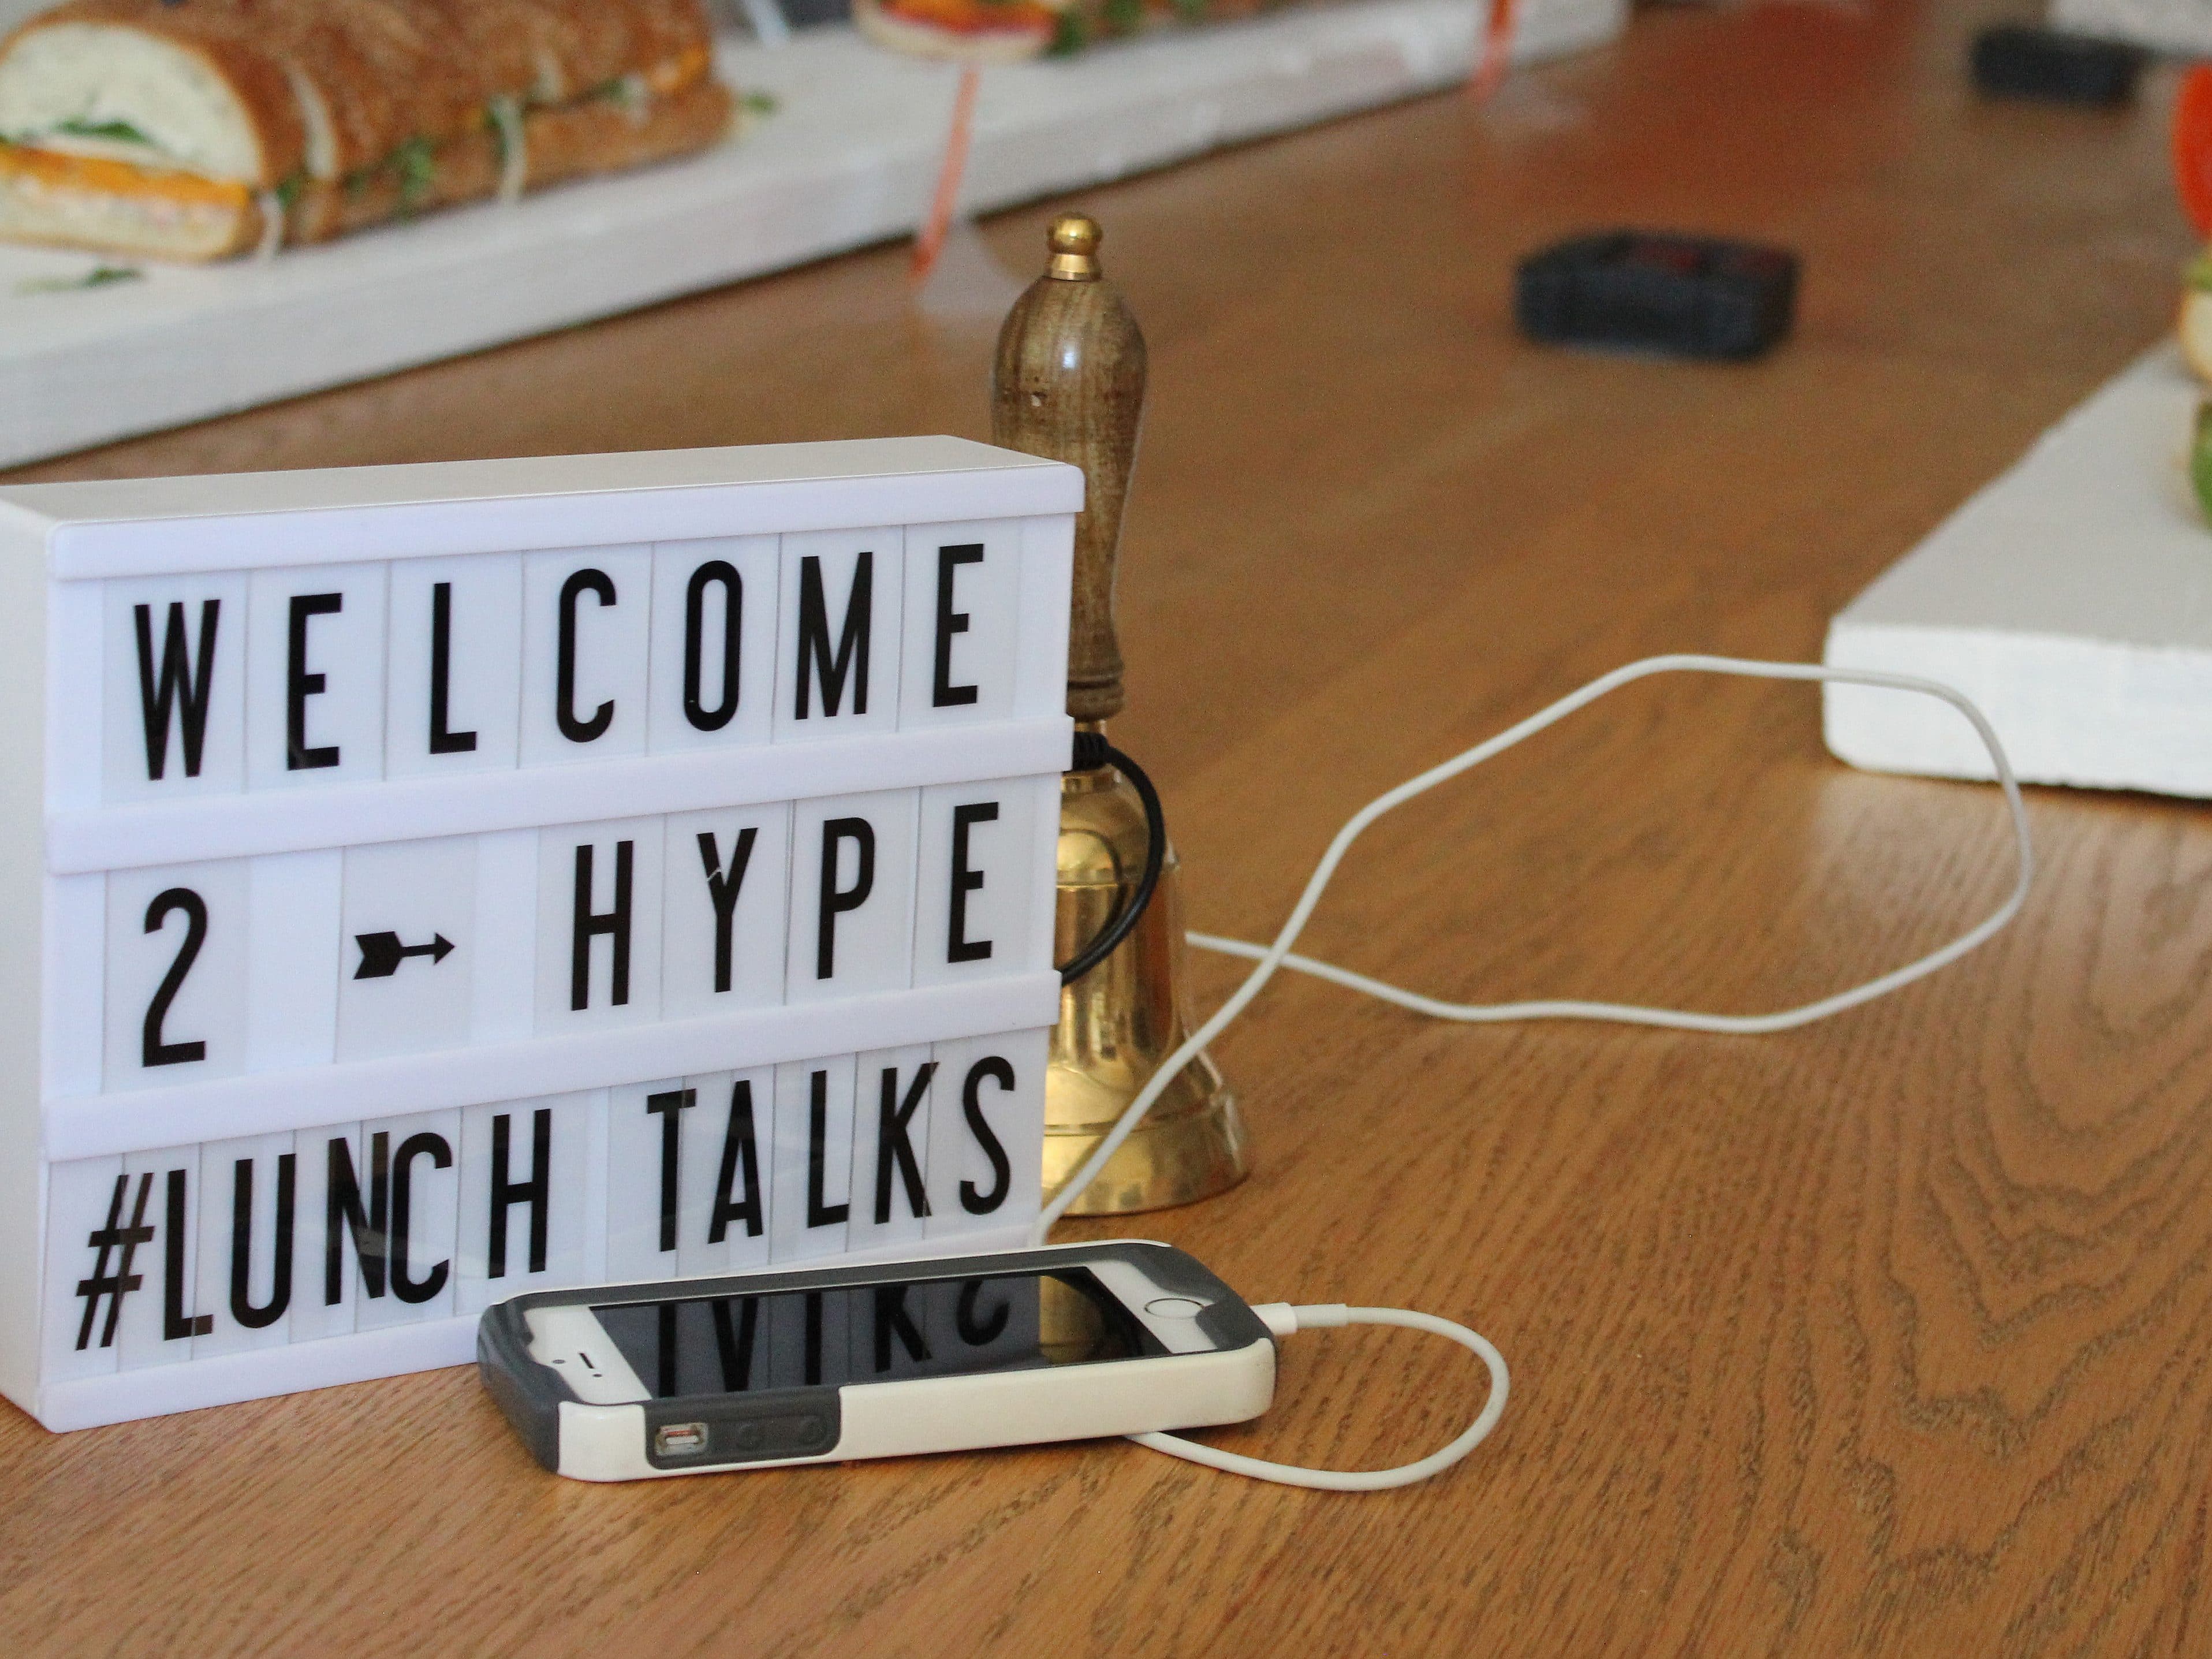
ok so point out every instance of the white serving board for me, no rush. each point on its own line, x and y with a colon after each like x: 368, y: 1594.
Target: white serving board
x: 2177, y: 26
x: 849, y: 158
x: 2071, y: 598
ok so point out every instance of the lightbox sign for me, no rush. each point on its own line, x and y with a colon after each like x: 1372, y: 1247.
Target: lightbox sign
x: 460, y: 879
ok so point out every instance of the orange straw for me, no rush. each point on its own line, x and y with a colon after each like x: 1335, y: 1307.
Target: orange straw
x: 931, y: 241
x: 1496, y: 48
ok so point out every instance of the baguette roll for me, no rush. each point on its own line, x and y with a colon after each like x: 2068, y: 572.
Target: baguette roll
x: 515, y: 45
x: 588, y: 136
x: 587, y: 46
x: 568, y: 141
x: 176, y: 89
x: 198, y: 129
x: 667, y: 30
x: 580, y: 46
x: 399, y: 107
x: 370, y: 74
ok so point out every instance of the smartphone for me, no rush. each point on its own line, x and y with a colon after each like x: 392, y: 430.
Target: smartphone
x: 630, y: 1382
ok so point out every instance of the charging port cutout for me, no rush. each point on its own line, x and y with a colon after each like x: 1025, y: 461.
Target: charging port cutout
x: 679, y: 1439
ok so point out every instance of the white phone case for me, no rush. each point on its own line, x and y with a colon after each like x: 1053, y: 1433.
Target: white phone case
x: 584, y: 1413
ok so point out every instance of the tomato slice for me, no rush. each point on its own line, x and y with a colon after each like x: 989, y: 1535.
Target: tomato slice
x: 2192, y: 146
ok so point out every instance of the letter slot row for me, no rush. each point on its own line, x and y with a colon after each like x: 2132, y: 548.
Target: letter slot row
x: 219, y: 681
x: 244, y: 966
x: 186, y: 1254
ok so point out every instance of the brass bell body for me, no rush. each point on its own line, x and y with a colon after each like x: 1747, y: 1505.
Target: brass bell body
x: 1122, y: 1019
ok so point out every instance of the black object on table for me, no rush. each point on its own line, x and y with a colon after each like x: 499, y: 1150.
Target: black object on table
x: 2017, y: 61
x: 1689, y: 296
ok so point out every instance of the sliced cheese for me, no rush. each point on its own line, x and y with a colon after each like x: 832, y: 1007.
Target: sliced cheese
x: 119, y: 207
x: 674, y: 74
x: 58, y: 170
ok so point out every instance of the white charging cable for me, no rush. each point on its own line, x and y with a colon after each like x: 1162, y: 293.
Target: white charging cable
x: 1282, y: 1320
x: 1279, y: 955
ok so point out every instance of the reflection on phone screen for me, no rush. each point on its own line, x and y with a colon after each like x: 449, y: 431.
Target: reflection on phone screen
x: 873, y: 1332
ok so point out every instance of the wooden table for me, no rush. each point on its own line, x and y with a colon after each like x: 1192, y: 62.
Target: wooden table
x: 1894, y: 1335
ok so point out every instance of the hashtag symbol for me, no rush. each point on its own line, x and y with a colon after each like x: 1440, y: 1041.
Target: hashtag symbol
x: 116, y: 1285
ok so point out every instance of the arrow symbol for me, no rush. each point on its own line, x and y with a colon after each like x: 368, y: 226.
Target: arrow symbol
x: 382, y: 953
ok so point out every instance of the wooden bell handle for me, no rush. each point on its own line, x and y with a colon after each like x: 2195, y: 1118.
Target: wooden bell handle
x: 1068, y: 384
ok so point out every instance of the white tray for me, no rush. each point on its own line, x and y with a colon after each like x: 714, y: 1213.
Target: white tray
x: 2177, y: 26
x: 849, y: 158
x: 2072, y: 599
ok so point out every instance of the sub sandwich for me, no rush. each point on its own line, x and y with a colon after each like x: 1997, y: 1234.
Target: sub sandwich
x: 199, y: 128
x: 960, y: 30
x: 1007, y: 31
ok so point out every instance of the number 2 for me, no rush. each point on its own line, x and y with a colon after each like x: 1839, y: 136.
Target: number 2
x: 153, y: 1050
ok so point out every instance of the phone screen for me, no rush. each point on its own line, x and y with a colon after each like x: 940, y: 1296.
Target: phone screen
x: 873, y: 1332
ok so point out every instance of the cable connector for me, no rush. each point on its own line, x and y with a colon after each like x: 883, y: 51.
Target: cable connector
x: 1282, y: 1320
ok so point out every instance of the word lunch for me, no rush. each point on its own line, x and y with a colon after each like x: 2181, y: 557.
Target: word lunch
x: 387, y: 824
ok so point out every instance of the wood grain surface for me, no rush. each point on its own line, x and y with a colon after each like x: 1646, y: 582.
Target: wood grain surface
x: 1889, y: 1336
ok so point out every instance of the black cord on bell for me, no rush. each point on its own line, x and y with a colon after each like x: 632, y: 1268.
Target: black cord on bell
x: 1091, y: 752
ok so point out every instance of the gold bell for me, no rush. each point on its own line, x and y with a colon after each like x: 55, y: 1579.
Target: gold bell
x: 1123, y: 1018
x: 1069, y: 384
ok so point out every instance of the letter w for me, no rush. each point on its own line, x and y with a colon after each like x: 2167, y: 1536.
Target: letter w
x: 177, y: 689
